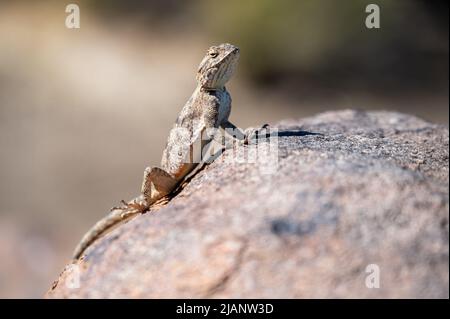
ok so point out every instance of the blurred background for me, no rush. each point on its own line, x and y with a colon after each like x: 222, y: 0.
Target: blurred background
x: 84, y: 111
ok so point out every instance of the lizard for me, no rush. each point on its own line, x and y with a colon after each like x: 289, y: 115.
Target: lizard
x: 209, y: 107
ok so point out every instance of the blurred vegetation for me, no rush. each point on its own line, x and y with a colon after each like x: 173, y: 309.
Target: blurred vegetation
x: 327, y: 41
x: 315, y: 43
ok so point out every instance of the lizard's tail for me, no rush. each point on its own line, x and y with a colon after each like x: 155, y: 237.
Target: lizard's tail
x: 103, y: 226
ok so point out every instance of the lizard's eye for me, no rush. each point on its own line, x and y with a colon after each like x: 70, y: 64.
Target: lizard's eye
x: 213, y: 54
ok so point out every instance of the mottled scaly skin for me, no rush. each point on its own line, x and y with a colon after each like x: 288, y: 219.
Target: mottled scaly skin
x: 205, y: 109
x: 208, y: 107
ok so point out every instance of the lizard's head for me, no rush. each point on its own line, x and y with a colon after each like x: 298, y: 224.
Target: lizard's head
x: 217, y: 66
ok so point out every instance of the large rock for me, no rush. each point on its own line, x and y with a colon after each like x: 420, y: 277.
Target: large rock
x: 370, y: 189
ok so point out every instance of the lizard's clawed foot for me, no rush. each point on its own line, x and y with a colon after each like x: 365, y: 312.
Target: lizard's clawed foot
x: 131, y: 206
x: 255, y: 134
x: 137, y: 206
x: 123, y: 207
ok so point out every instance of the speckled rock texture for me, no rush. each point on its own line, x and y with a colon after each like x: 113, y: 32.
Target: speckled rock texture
x: 341, y: 191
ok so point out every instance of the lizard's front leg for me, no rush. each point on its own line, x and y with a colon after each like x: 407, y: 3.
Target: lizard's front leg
x: 245, y: 136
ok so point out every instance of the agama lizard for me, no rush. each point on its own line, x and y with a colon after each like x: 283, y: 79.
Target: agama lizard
x: 208, y: 108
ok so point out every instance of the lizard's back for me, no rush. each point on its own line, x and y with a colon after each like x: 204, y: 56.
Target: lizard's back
x: 205, y: 109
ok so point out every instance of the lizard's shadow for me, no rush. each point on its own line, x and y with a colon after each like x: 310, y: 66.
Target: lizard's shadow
x: 213, y: 157
x: 286, y: 133
x: 296, y: 133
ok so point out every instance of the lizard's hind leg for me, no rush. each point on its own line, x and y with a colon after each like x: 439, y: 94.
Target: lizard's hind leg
x: 157, y: 183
